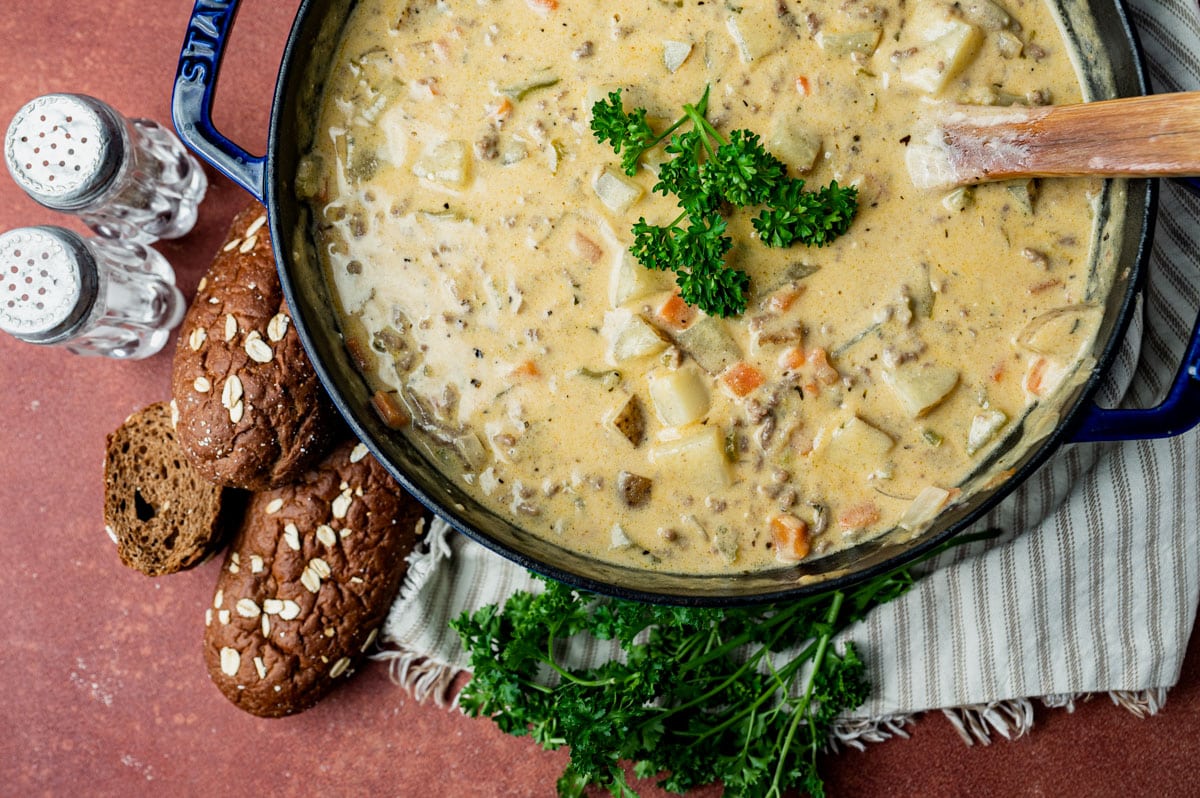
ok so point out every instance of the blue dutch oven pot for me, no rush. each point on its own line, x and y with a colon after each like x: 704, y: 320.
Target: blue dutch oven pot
x: 268, y: 178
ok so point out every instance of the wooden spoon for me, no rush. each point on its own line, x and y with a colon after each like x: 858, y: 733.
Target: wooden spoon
x: 1153, y: 136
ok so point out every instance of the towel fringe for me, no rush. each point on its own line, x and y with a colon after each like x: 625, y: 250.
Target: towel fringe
x: 1011, y: 719
x: 421, y: 677
x: 1142, y: 703
x: 1063, y: 700
x: 856, y: 733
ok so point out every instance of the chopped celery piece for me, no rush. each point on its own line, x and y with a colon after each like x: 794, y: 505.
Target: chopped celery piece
x: 863, y: 41
x: 522, y: 90
x: 959, y: 199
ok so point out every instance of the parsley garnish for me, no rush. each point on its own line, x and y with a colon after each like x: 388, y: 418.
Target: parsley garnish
x: 703, y: 695
x: 706, y: 172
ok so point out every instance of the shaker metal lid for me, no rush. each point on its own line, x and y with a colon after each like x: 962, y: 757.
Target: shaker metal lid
x: 64, y: 149
x: 48, y: 283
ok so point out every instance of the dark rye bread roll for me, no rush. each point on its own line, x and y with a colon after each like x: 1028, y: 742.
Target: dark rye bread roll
x: 163, y: 516
x: 249, y: 410
x: 307, y: 583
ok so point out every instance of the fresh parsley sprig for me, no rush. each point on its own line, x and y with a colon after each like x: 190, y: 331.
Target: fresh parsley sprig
x: 746, y: 696
x: 705, y: 173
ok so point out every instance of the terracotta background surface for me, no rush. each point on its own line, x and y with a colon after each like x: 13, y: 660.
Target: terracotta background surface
x: 102, y: 687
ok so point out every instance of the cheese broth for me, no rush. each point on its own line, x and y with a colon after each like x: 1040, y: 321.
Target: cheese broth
x: 475, y: 235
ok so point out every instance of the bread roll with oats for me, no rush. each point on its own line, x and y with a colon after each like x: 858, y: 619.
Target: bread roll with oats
x: 307, y: 583
x: 248, y: 408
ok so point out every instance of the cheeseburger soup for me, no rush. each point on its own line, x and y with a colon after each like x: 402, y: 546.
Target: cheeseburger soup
x: 476, y: 235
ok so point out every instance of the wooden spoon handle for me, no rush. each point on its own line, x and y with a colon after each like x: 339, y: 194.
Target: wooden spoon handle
x: 1153, y: 136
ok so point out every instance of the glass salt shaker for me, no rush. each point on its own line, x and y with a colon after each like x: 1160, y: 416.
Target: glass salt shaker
x: 92, y: 296
x: 125, y: 178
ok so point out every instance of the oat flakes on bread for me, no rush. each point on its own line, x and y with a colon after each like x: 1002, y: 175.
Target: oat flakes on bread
x: 249, y: 410
x: 307, y: 583
x: 162, y: 514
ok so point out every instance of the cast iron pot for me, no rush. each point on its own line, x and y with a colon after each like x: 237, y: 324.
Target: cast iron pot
x: 1112, y: 66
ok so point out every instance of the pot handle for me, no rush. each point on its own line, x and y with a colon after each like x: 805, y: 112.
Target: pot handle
x: 191, y: 102
x: 1177, y: 414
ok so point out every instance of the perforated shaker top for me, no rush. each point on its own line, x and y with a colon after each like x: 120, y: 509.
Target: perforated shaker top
x: 64, y: 149
x: 48, y: 283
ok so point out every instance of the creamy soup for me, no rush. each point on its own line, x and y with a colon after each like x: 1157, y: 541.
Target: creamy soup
x: 476, y: 236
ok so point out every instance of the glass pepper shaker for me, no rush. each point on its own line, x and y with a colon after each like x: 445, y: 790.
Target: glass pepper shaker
x: 125, y: 178
x: 92, y: 296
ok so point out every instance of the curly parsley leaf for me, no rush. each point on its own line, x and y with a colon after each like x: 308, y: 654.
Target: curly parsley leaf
x: 812, y: 218
x: 706, y: 173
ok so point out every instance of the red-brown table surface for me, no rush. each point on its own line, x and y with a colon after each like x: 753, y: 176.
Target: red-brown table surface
x: 103, y: 690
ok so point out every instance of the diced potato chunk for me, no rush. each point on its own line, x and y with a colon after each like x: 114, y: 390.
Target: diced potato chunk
x: 617, y: 192
x: 983, y: 428
x: 944, y: 45
x: 631, y: 280
x: 856, y: 444
x: 1009, y: 44
x: 726, y: 543
x: 862, y: 41
x: 629, y: 419
x: 630, y: 336
x: 1062, y: 332
x: 634, y: 490
x: 986, y: 14
x: 709, y: 343
x: 756, y: 30
x: 701, y: 455
x: 792, y: 144
x: 924, y: 508
x: 674, y: 54
x: 618, y: 538
x: 448, y: 163
x: 920, y: 386
x: 679, y: 395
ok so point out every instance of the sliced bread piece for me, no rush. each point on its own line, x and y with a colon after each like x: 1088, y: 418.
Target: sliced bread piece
x: 251, y: 412
x: 307, y: 582
x: 163, y: 516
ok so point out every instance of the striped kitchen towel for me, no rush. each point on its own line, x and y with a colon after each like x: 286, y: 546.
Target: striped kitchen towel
x: 1093, y: 589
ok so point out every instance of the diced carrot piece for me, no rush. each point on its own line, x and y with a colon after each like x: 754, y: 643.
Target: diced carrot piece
x: 997, y: 372
x: 500, y: 109
x: 527, y: 369
x: 676, y: 312
x: 360, y: 353
x: 858, y: 516
x: 1044, y: 285
x: 825, y: 373
x: 803, y: 86
x: 789, y: 535
x: 792, y: 358
x: 1035, y: 376
x: 389, y: 409
x: 742, y: 378
x: 811, y: 390
x: 586, y: 248
x: 783, y: 299
x: 543, y: 6
x: 999, y: 479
